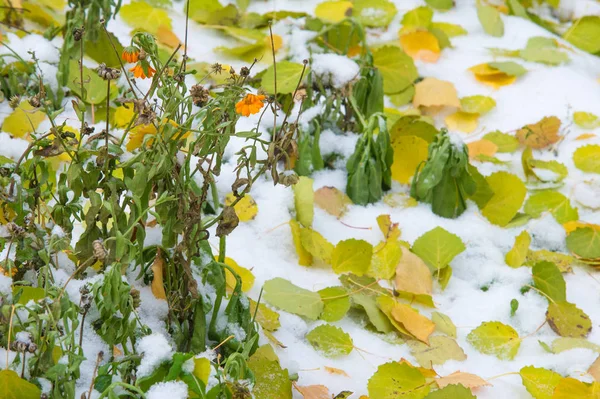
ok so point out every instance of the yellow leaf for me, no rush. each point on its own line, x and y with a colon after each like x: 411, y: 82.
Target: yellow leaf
x: 482, y: 147
x: 409, y: 152
x: 574, y: 225
x: 540, y: 134
x: 333, y: 370
x: 202, y: 369
x: 421, y: 45
x: 316, y: 244
x: 165, y: 36
x: 314, y: 392
x: 416, y: 324
x: 462, y: 121
x: 141, y: 15
x: 304, y: 257
x: 277, y: 42
x: 413, y: 275
x: 518, y: 254
x: 390, y: 230
x: 23, y: 120
x: 491, y: 76
x: 122, y: 116
x: 485, y: 70
x: 158, y: 288
x: 585, y: 136
x: 246, y: 209
x: 466, y: 379
x: 139, y: 133
x: 333, y: 11
x: 432, y: 92
x: 245, y: 275
x: 570, y: 388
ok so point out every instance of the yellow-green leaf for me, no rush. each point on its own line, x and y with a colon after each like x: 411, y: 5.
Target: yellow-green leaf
x: 490, y: 20
x: 304, y: 200
x: 352, y: 256
x: 440, y: 350
x: 397, y: 68
x: 437, y: 248
x: 495, y: 338
x: 567, y: 320
x: 23, y: 120
x: 477, y: 104
x: 504, y: 141
x: 14, y: 387
x: 333, y: 11
x: 141, y: 15
x: 509, y: 193
x: 316, y: 244
x: 397, y: 380
x: 539, y: 382
x: 409, y: 152
x: 304, y: 257
x: 586, y: 120
x: 584, y: 242
x: 585, y: 33
x: 555, y: 203
x: 286, y: 296
x: 587, y: 158
x: 330, y: 341
x: 288, y: 77
x: 517, y: 255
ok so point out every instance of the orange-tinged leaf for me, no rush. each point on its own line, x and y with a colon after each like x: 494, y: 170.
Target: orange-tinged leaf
x: 158, y: 288
x: 332, y: 200
x: 413, y: 275
x: 462, y: 121
x: 431, y: 92
x: 314, y: 391
x: 574, y: 225
x: 594, y: 369
x: 165, y: 36
x: 427, y: 373
x: 116, y: 351
x: 466, y: 379
x: 389, y: 229
x: 540, y: 134
x: 333, y: 370
x: 416, y: 324
x: 585, y: 136
x: 482, y: 147
x: 421, y: 45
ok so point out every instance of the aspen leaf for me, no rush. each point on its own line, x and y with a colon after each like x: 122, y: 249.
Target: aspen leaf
x: 452, y: 392
x: 333, y: 11
x: 562, y: 261
x: 505, y: 142
x: 288, y: 76
x: 352, y: 256
x: 246, y: 208
x: 451, y: 30
x: 444, y: 324
x: 286, y: 296
x: 157, y: 287
x: 314, y: 392
x: 465, y: 379
x: 316, y: 245
x: 462, y: 121
x: 567, y: 320
x: 539, y: 382
x: 389, y: 229
x: 267, y: 318
x: 432, y: 92
x: 584, y: 242
x: 551, y: 201
x: 585, y: 136
x: 202, y: 368
x: 332, y: 200
x: 331, y: 341
x: 495, y: 338
x: 386, y: 256
x: 413, y: 275
x: 245, y: 275
x: 437, y: 248
x: 594, y: 369
x: 122, y: 116
x: 409, y: 152
x: 421, y: 45
x: 333, y: 370
x: 494, y: 77
x: 416, y: 324
x: 336, y: 302
x: 565, y: 343
x: 509, y: 68
x: 586, y: 120
x: 166, y: 36
x: 375, y: 13
x: 518, y: 254
x: 271, y: 381
x: 482, y: 147
x: 440, y: 350
x: 23, y: 120
x: 509, y: 193
x: 477, y: 104
x: 585, y: 33
x: 397, y: 68
x: 544, y: 50
x: 141, y: 15
x: 548, y: 279
x: 393, y: 380
x: 14, y: 387
x: 570, y: 388
x: 376, y: 316
x: 546, y: 171
x: 304, y: 199
x: 304, y: 257
x: 419, y: 17
x: 490, y: 20
x: 576, y: 224
x: 443, y: 5
x: 387, y: 305
x: 587, y: 158
x: 540, y: 134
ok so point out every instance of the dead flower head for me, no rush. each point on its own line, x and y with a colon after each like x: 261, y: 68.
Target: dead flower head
x: 199, y: 95
x: 108, y: 73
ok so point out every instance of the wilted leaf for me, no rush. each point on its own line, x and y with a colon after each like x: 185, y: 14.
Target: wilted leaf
x: 540, y: 382
x: 432, y: 92
x: 540, y: 134
x: 157, y: 287
x: 286, y: 296
x: 509, y: 193
x: 567, y: 320
x: 331, y: 341
x: 437, y: 248
x: 440, y: 350
x: 393, y: 380
x: 517, y: 255
x: 246, y: 208
x: 495, y: 338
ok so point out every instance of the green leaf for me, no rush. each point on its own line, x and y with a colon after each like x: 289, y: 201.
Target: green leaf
x: 304, y: 200
x: 548, y: 279
x: 587, y: 158
x: 451, y: 30
x: 477, y: 104
x: 28, y: 293
x: 369, y: 304
x: 271, y: 381
x: 547, y: 171
x: 330, y: 341
x: 375, y: 13
x: 504, y: 141
x: 452, y: 392
x: 544, y: 50
x: 286, y: 296
x: 586, y: 120
x: 584, y: 242
x: 555, y: 203
x: 102, y: 50
x: 490, y: 20
x: 514, y: 306
x: 517, y: 255
x: 562, y: 261
x: 567, y: 320
x: 442, y: 5
x: 585, y: 34
x: 397, y: 68
x: 495, y: 338
x: 352, y: 256
x: 564, y: 344
x: 437, y: 248
x: 419, y: 17
x: 440, y: 350
x: 288, y: 77
x: 539, y: 382
x: 509, y: 68
x: 509, y: 193
x: 444, y: 324
x: 141, y: 15
x: 397, y: 380
x: 14, y: 387
x: 337, y: 303
x: 93, y: 85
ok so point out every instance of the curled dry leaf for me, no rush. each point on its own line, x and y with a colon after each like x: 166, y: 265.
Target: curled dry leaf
x: 432, y: 92
x: 467, y: 379
x: 158, y: 289
x: 333, y: 370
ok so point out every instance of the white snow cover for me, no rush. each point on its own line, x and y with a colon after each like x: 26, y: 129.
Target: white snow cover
x: 5, y: 285
x: 156, y: 349
x: 337, y: 70
x: 170, y: 390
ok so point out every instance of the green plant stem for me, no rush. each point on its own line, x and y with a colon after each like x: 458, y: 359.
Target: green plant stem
x: 222, y: 244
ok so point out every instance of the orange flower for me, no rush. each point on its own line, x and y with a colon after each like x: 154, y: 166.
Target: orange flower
x: 142, y: 70
x: 130, y: 54
x: 250, y: 104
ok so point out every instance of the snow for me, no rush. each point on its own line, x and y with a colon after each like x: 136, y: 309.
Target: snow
x: 5, y: 285
x: 336, y: 70
x: 155, y: 349
x: 171, y: 390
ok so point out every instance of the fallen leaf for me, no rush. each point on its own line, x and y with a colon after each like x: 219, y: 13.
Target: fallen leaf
x: 540, y: 134
x: 417, y: 325
x: 482, y: 147
x: 594, y: 369
x: 431, y: 92
x: 314, y: 391
x: 421, y: 45
x: 413, y: 275
x: 245, y: 209
x: 462, y: 121
x: 332, y: 200
x: 333, y: 370
x: 440, y: 350
x: 466, y: 379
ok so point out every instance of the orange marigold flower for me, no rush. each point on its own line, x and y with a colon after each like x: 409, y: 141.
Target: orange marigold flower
x: 142, y: 70
x: 250, y: 104
x: 130, y: 54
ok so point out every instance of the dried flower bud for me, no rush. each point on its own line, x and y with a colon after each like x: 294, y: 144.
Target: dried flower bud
x: 228, y: 222
x: 15, y: 230
x: 14, y: 102
x: 31, y: 348
x: 216, y: 68
x: 78, y: 34
x: 244, y: 72
x: 135, y: 295
x: 199, y: 95
x: 231, y: 71
x: 108, y: 73
x: 34, y: 101
x: 87, y: 129
x: 99, y: 250
x: 288, y: 179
